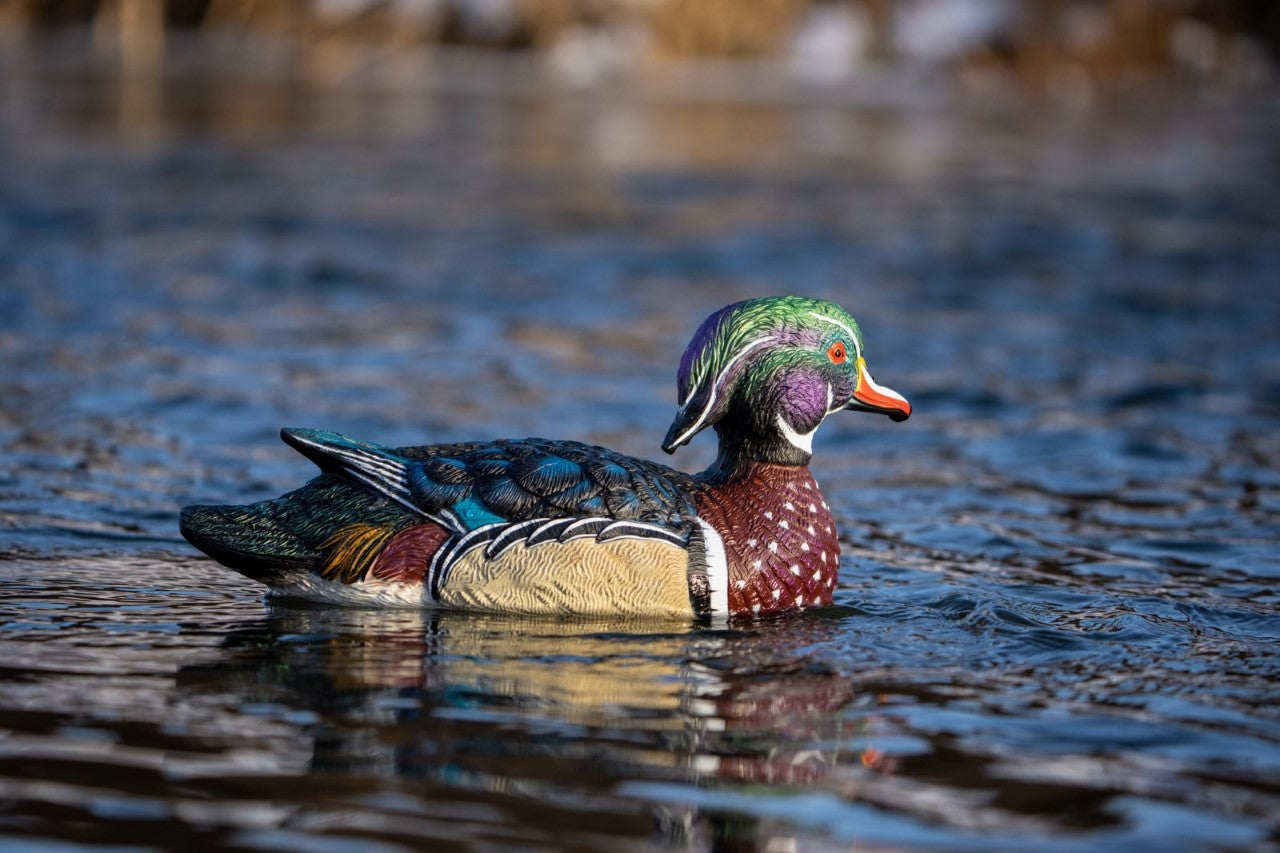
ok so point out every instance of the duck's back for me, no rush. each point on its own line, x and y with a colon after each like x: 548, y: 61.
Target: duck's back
x: 526, y: 525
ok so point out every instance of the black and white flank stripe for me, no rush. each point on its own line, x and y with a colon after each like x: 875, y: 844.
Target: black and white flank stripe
x: 498, y: 538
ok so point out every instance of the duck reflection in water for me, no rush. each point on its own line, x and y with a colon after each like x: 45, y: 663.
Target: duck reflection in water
x: 525, y: 707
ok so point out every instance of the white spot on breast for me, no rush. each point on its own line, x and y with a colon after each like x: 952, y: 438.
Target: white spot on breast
x: 751, y: 543
x: 784, y: 525
x: 804, y: 546
x: 795, y: 570
x: 758, y: 563
x: 755, y: 608
x: 768, y: 514
x: 816, y: 575
x: 799, y: 601
x: 812, y: 508
x: 823, y: 556
x: 777, y: 593
x: 789, y: 505
x: 812, y: 532
x: 740, y: 584
x: 773, y: 547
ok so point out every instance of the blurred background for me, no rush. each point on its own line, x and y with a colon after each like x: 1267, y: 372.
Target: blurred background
x: 218, y: 217
x: 1058, y: 223
x: 1063, y: 49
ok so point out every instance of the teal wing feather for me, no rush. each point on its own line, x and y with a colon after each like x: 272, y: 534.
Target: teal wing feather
x: 468, y: 485
x: 462, y: 487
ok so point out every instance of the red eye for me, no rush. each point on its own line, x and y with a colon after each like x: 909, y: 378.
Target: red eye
x: 836, y: 353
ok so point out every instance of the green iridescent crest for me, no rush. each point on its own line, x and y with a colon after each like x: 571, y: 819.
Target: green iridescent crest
x: 771, y: 333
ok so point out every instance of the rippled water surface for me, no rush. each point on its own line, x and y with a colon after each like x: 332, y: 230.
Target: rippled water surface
x: 1057, y: 625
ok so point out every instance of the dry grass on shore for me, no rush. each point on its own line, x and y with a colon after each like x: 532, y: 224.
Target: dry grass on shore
x: 1052, y: 45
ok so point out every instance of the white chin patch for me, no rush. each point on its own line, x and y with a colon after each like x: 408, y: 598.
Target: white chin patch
x: 803, y: 441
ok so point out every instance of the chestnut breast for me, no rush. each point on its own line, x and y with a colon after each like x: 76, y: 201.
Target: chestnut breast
x: 779, y: 538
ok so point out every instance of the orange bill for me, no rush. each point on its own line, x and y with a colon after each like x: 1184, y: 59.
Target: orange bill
x: 870, y: 397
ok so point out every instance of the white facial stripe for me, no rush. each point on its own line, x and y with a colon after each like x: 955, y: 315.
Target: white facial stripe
x: 831, y: 397
x: 853, y: 339
x: 693, y: 387
x: 711, y: 398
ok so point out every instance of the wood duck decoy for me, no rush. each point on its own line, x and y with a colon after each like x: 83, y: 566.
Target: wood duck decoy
x: 561, y: 527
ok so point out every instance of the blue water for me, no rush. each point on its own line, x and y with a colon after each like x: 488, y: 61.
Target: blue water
x: 1057, y: 625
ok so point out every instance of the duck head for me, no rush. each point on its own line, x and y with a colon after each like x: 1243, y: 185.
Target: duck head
x: 766, y: 372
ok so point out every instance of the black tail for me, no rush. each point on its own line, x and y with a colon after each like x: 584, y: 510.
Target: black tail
x: 276, y: 538
x: 247, y: 539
